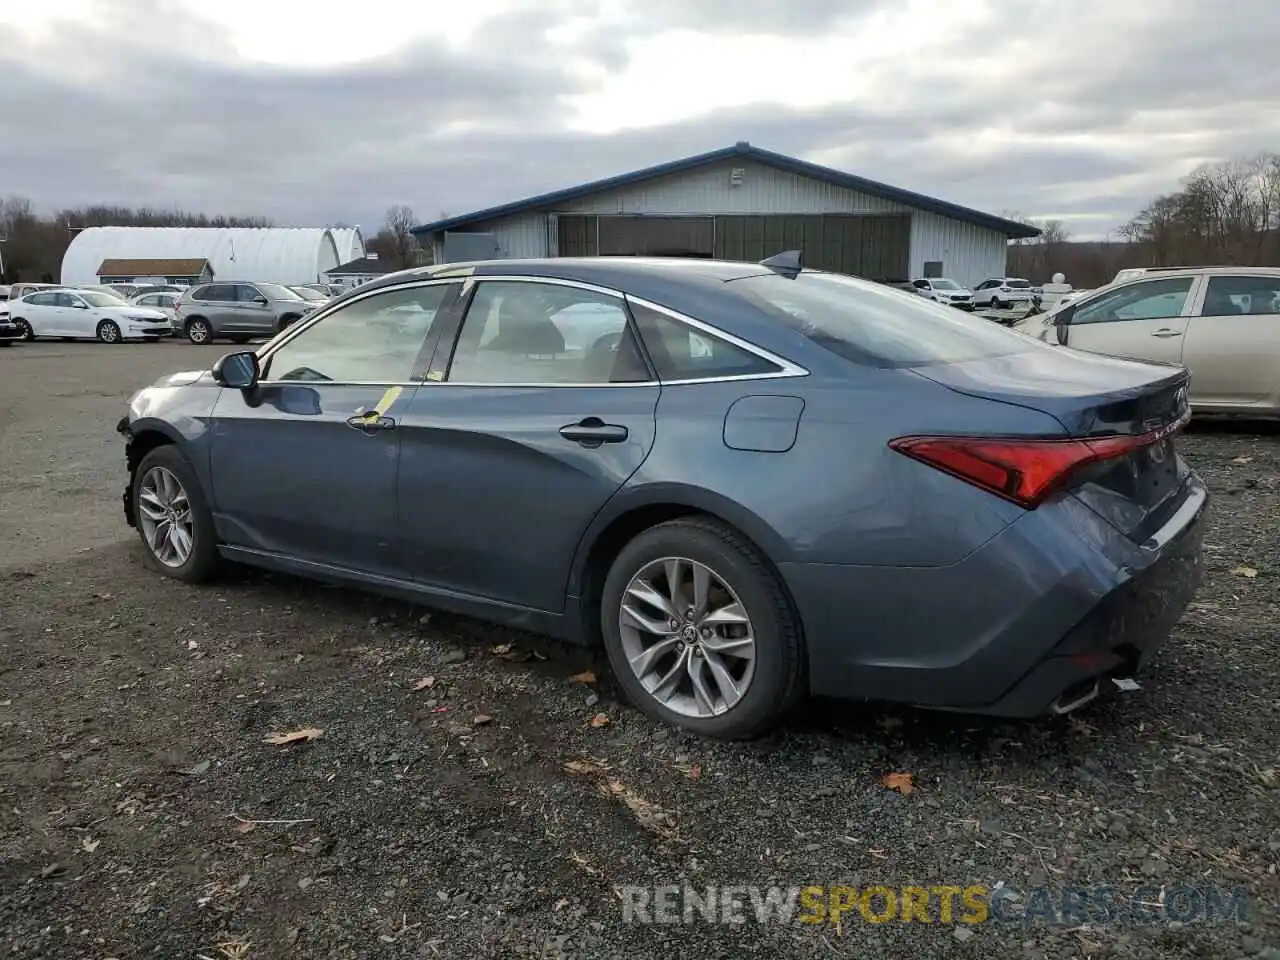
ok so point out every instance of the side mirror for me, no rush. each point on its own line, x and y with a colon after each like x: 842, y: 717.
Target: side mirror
x: 239, y: 370
x: 260, y: 301
x: 1061, y: 321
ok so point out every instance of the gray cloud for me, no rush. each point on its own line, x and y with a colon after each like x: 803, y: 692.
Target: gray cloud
x: 1106, y: 106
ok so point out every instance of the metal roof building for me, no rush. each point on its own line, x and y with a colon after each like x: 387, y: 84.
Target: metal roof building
x: 275, y: 254
x: 740, y: 203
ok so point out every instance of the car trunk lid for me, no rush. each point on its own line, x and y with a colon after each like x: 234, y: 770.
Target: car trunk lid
x: 1126, y: 412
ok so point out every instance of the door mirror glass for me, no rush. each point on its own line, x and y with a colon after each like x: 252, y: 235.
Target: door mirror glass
x: 260, y: 301
x: 237, y: 370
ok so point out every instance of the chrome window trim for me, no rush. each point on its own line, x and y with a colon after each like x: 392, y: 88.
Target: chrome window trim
x: 786, y: 368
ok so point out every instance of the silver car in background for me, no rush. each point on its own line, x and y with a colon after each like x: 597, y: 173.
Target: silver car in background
x: 238, y: 311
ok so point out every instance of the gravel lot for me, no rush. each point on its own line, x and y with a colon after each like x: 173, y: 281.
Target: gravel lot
x: 139, y: 802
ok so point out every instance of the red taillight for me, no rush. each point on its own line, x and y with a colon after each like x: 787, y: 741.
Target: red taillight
x: 1024, y: 471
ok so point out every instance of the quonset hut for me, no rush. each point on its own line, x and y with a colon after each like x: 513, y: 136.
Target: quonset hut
x: 290, y: 255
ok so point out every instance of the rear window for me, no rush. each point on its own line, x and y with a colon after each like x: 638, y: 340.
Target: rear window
x: 872, y: 324
x: 1018, y: 284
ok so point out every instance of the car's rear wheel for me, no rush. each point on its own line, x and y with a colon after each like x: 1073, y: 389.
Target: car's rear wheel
x: 198, y: 331
x: 996, y: 304
x: 109, y: 331
x: 700, y: 632
x: 24, y: 329
x: 172, y: 517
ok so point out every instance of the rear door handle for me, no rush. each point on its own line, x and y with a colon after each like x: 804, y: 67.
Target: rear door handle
x: 370, y: 424
x: 592, y: 431
x: 1165, y: 332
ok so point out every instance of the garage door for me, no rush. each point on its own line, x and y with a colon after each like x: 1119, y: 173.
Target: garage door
x: 636, y: 236
x: 877, y: 247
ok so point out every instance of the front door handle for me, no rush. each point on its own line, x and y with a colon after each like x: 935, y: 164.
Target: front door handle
x: 592, y: 431
x: 1165, y: 332
x: 371, y: 422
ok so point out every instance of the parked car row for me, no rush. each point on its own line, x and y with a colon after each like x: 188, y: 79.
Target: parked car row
x: 236, y: 311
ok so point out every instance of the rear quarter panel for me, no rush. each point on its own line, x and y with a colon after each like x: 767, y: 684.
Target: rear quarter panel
x: 839, y: 494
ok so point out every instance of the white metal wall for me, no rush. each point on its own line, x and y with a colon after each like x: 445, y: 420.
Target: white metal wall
x: 969, y: 253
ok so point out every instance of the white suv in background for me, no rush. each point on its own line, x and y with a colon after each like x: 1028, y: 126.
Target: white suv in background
x: 1001, y: 292
x: 1221, y: 323
x: 944, y: 291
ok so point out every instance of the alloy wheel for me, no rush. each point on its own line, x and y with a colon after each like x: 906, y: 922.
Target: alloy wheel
x: 198, y: 331
x: 687, y: 637
x: 164, y: 513
x: 108, y: 332
x: 24, y: 328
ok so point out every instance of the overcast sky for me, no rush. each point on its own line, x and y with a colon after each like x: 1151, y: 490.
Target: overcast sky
x: 332, y: 110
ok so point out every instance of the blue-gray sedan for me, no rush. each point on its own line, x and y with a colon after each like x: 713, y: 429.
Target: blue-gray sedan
x: 748, y: 481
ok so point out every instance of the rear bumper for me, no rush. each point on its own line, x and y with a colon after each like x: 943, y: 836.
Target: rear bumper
x: 1019, y: 628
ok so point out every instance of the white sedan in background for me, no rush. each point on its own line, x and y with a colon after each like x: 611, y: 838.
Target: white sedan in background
x: 86, y: 315
x: 165, y: 302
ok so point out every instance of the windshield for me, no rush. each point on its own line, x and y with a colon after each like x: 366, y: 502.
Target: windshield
x: 872, y: 324
x: 944, y: 284
x: 276, y: 292
x: 95, y: 299
x: 306, y: 293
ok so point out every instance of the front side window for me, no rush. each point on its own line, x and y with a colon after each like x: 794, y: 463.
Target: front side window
x: 67, y: 300
x: 374, y: 340
x: 1231, y: 296
x: 681, y: 352
x: 518, y: 332
x: 1150, y: 300
x: 869, y: 324
x: 247, y: 293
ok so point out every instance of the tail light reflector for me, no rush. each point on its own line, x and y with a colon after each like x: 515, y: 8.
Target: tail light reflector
x: 1024, y: 471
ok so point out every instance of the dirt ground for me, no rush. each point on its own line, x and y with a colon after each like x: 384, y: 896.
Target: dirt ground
x: 142, y: 813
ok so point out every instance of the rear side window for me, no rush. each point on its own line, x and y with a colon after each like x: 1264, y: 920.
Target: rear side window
x: 872, y: 324
x: 1228, y: 296
x: 216, y: 292
x: 681, y: 352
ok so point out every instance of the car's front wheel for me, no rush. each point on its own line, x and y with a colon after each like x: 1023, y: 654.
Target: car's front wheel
x: 198, y: 331
x: 109, y: 331
x: 700, y: 632
x: 172, y: 517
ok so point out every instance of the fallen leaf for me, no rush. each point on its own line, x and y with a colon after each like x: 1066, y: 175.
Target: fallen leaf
x: 695, y: 771
x: 199, y: 769
x: 586, y: 767
x: 1243, y: 460
x: 191, y: 644
x: 648, y: 814
x: 102, y: 596
x: 425, y: 683
x: 502, y: 649
x: 481, y: 719
x: 295, y: 736
x: 1249, y: 572
x: 586, y: 676
x: 245, y: 826
x: 904, y: 783
x: 600, y: 720
x: 89, y: 845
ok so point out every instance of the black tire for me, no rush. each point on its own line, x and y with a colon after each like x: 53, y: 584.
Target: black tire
x: 5, y: 343
x: 996, y: 304
x: 287, y: 321
x: 777, y: 684
x: 240, y: 339
x: 198, y: 331
x: 24, y: 328
x: 109, y: 332
x: 202, y: 564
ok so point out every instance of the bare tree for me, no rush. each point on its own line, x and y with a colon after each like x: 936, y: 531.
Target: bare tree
x: 402, y: 243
